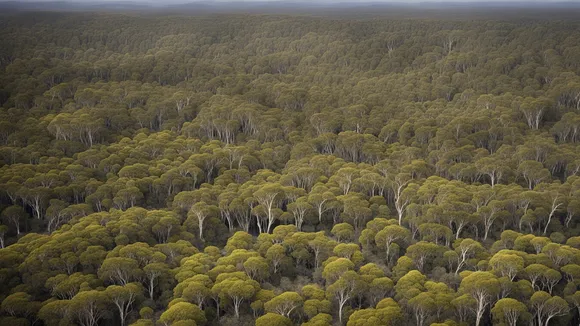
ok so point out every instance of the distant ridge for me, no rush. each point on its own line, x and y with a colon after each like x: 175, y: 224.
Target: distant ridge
x: 268, y: 6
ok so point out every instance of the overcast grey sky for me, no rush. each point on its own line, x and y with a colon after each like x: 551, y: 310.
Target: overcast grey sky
x: 325, y: 1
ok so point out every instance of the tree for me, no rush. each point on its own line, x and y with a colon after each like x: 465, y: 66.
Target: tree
x: 315, y: 303
x: 235, y: 289
x: 533, y: 172
x: 55, y: 214
x: 387, y: 312
x: 421, y: 252
x: 389, y: 235
x: 507, y: 264
x: 572, y: 272
x: 284, y: 303
x: 423, y: 305
x: 202, y: 211
x: 165, y: 228
x: 268, y: 196
x: 335, y: 268
x: 14, y: 215
x: 446, y: 299
x: 555, y: 201
x: 403, y: 193
x: 55, y: 312
x: 550, y: 278
x: 343, y: 231
x: 123, y: 298
x: 274, y: 320
x: 535, y: 272
x: 409, y: 286
x: 127, y: 197
x: 275, y: 255
x: 466, y: 249
x: 355, y: 210
x: 464, y: 306
x: 35, y: 196
x: 482, y: 287
x: 299, y: 208
x: 19, y: 304
x: 120, y: 270
x: 153, y: 272
x: 88, y: 307
x: 488, y: 214
x: 343, y: 289
x: 435, y: 232
x: 379, y: 288
x: 65, y: 286
x: 546, y: 307
x: 574, y: 299
x: 508, y: 311
x: 534, y: 110
x: 321, y: 199
x: 257, y: 268
x: 259, y: 299
x: 321, y: 319
x: 493, y: 167
x: 183, y: 311
x: 197, y: 289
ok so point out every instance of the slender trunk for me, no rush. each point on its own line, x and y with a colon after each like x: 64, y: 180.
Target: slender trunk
x: 547, y: 224
x: 237, y: 302
x: 151, y: 287
x: 478, y: 315
x: 320, y: 212
x: 459, y: 265
x: 340, y: 305
x: 459, y: 228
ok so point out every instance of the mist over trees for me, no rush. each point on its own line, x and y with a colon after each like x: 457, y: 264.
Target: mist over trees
x: 252, y: 169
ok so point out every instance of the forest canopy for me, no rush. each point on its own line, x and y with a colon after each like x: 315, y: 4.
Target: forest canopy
x: 237, y: 169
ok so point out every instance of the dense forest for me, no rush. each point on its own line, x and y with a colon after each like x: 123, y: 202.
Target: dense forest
x: 253, y: 169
